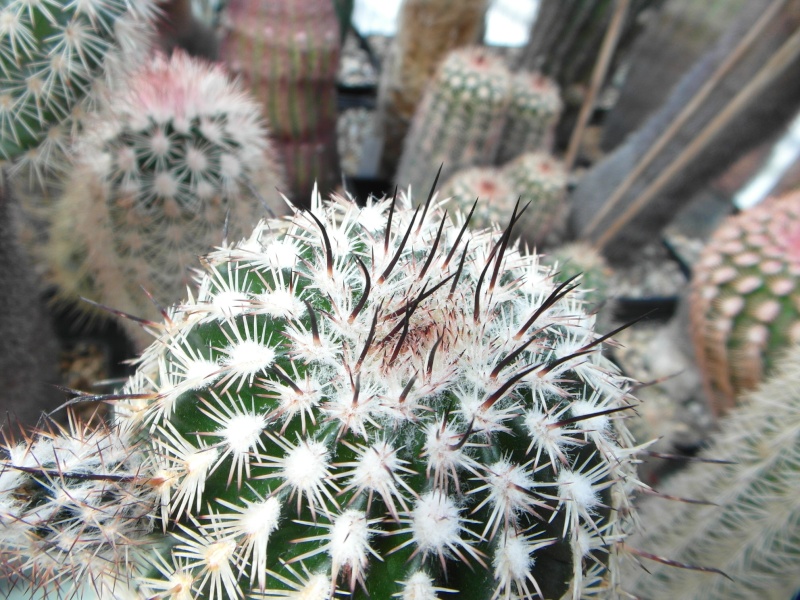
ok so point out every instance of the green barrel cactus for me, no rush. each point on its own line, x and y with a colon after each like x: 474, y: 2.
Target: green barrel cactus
x: 377, y: 402
x: 54, y: 59
x: 181, y: 160
x: 460, y: 118
x: 745, y: 298
x: 533, y: 113
x: 287, y: 53
x: 743, y: 541
x: 581, y: 259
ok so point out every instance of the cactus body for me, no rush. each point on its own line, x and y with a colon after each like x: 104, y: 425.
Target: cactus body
x: 579, y: 258
x: 751, y: 528
x: 532, y: 116
x: 287, y: 53
x: 460, y: 119
x: 426, y: 31
x: 745, y: 298
x: 537, y: 179
x: 361, y: 400
x: 72, y: 505
x: 182, y: 161
x: 54, y: 58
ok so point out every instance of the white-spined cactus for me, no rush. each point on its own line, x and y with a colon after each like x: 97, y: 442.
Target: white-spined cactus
x: 376, y: 402
x: 180, y: 160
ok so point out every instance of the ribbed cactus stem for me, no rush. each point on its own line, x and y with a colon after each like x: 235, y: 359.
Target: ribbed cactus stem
x: 532, y: 116
x: 460, y: 119
x: 53, y: 58
x: 287, y: 53
x: 377, y: 402
x: 745, y: 298
x: 748, y: 529
x: 183, y: 161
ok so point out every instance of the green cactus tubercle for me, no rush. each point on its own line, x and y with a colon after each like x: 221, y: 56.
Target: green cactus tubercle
x: 363, y: 400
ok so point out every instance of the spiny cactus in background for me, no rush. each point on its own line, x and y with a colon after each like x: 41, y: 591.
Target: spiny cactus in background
x: 750, y: 530
x: 426, y: 31
x: 532, y: 116
x: 537, y: 179
x: 376, y: 401
x: 460, y: 119
x: 54, y: 59
x: 182, y: 160
x: 541, y: 180
x: 72, y: 505
x: 745, y: 297
x: 287, y: 53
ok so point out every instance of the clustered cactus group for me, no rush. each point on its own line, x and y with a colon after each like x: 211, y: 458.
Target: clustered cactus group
x: 361, y: 400
x: 745, y: 297
x: 537, y: 179
x: 180, y: 160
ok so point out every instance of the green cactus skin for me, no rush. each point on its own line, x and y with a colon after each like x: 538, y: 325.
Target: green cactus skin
x: 751, y: 528
x: 532, y: 116
x: 72, y: 500
x: 287, y: 53
x: 460, y: 119
x: 360, y: 400
x: 54, y: 58
x: 183, y: 159
x: 745, y: 298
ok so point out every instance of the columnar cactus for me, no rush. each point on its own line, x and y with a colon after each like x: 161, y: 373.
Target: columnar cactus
x: 532, y: 116
x: 182, y: 160
x: 426, y: 31
x: 73, y: 504
x: 287, y: 53
x: 377, y: 402
x: 537, y: 179
x: 745, y: 297
x: 459, y: 122
x: 750, y: 528
x: 54, y: 58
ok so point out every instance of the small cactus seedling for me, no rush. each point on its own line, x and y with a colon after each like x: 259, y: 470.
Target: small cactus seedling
x: 287, y: 53
x: 377, y: 402
x: 54, y: 57
x: 745, y: 297
x: 532, y: 116
x: 182, y: 159
x: 748, y: 526
x: 460, y: 119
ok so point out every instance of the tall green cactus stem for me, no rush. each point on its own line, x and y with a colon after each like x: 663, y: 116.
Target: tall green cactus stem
x: 460, y: 119
x: 55, y: 57
x: 426, y: 31
x: 73, y: 508
x: 183, y: 160
x: 287, y: 53
x: 532, y: 116
x: 375, y: 401
x: 745, y: 298
x: 750, y: 530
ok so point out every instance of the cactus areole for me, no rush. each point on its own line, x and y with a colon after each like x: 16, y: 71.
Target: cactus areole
x: 377, y: 402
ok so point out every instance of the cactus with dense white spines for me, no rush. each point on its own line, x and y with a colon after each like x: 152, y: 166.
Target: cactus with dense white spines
x: 749, y: 525
x: 745, y: 298
x: 460, y: 118
x: 181, y: 160
x: 73, y: 507
x: 55, y: 57
x: 533, y: 112
x: 362, y: 400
